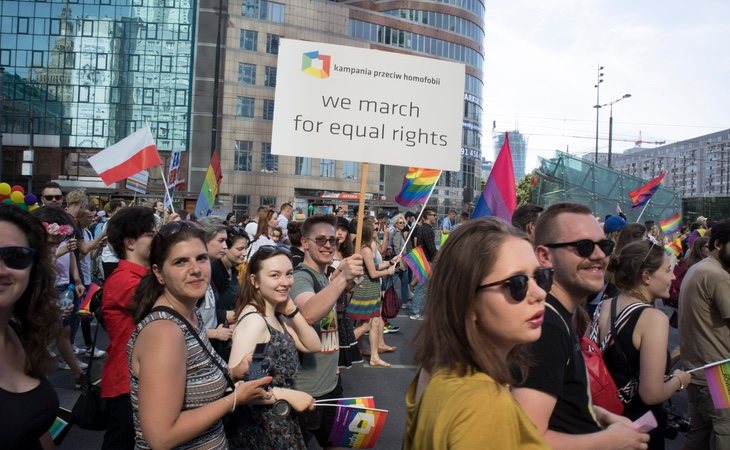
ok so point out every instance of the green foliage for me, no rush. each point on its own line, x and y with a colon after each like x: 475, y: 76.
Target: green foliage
x: 524, y: 189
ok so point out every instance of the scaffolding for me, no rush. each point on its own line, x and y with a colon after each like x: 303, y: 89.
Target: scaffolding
x: 567, y: 177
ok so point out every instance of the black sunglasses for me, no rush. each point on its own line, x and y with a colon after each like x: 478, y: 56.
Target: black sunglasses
x: 518, y: 283
x: 17, y: 258
x: 268, y: 249
x: 585, y: 246
x: 321, y: 240
x: 171, y: 228
x: 50, y: 198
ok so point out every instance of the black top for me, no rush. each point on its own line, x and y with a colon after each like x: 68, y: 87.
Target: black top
x: 26, y: 416
x: 558, y: 369
x: 225, y: 283
x: 427, y: 240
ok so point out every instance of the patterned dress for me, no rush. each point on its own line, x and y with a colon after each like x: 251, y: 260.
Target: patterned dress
x: 366, y: 302
x: 263, y: 430
x: 205, y: 383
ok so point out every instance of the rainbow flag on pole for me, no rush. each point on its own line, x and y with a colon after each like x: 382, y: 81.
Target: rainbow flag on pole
x: 357, y: 426
x: 718, y: 382
x: 417, y: 186
x: 210, y: 187
x: 671, y: 224
x: 418, y: 263
x: 642, y: 195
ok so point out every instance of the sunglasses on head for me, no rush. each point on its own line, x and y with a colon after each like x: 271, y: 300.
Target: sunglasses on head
x: 585, y: 247
x: 171, y: 228
x: 268, y: 249
x: 518, y: 284
x: 51, y: 198
x: 321, y: 240
x: 17, y: 258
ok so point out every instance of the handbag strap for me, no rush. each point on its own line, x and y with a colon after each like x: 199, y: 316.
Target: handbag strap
x: 192, y: 331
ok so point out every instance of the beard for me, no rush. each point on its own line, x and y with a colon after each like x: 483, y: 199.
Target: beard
x: 724, y: 257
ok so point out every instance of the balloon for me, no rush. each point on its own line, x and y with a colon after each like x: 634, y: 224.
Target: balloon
x: 30, y: 199
x: 5, y: 189
x: 22, y: 206
x: 18, y: 188
x: 17, y: 197
x: 7, y: 201
x: 32, y: 208
x: 3, y: 197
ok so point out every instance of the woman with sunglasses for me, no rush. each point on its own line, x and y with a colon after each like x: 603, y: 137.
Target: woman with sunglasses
x: 366, y: 303
x: 178, y: 382
x: 399, y: 243
x: 28, y: 324
x: 267, y: 315
x: 634, y: 336
x: 475, y: 325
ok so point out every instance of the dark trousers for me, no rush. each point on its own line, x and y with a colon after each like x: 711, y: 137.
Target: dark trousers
x: 120, y: 428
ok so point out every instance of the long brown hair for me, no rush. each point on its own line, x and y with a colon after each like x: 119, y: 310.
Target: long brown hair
x: 263, y: 222
x: 249, y: 295
x: 447, y: 339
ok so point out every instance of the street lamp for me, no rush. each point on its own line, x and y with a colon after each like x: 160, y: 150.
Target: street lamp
x: 610, y: 124
x: 599, y: 80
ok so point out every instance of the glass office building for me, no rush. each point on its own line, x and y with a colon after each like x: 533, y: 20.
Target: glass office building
x: 93, y: 71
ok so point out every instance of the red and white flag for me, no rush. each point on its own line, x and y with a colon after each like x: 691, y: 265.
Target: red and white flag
x: 127, y: 157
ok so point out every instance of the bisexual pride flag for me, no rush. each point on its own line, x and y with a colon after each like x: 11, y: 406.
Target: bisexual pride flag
x: 671, y: 224
x: 718, y: 382
x: 417, y: 186
x: 416, y: 260
x: 357, y: 423
x: 499, y: 197
x: 642, y: 195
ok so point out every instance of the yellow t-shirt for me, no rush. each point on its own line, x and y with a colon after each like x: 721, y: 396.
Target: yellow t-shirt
x: 469, y: 412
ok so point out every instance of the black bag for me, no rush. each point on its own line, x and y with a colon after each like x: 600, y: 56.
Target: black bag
x: 89, y: 411
x: 391, y: 303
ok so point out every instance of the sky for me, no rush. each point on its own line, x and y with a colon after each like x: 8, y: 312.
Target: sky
x: 541, y: 61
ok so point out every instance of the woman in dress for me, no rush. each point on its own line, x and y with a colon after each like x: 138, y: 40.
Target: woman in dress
x: 266, y: 314
x: 29, y: 322
x: 638, y: 357
x: 266, y: 223
x: 366, y: 303
x: 486, y: 297
x: 178, y: 382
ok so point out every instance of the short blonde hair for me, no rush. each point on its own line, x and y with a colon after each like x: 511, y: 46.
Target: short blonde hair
x: 77, y: 196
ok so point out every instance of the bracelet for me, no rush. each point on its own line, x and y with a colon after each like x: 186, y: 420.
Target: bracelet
x: 235, y: 388
x: 293, y: 313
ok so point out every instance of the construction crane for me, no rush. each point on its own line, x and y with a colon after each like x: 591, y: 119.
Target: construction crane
x: 641, y: 141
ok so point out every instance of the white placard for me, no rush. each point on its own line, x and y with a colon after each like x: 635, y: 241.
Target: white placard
x: 365, y: 105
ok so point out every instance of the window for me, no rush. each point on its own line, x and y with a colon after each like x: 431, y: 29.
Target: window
x: 5, y: 57
x: 241, y: 205
x: 246, y: 73
x: 166, y: 64
x: 270, y: 76
x: 183, y: 32
x: 248, y: 39
x: 327, y: 168
x: 263, y: 9
x: 22, y: 25
x: 268, y: 200
x: 244, y: 106
x: 303, y: 166
x: 134, y: 62
x: 87, y: 28
x: 181, y: 97
x: 37, y: 59
x: 101, y: 61
x: 269, y: 162
x: 148, y: 96
x: 272, y: 44
x: 268, y: 109
x: 55, y: 27
x: 243, y: 157
x: 98, y: 127
x: 83, y: 93
x: 350, y: 170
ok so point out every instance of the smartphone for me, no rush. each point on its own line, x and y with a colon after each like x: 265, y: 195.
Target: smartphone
x: 260, y: 365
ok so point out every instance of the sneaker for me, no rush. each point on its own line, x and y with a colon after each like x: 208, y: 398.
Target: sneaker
x: 63, y: 366
x: 415, y: 317
x: 406, y: 305
x: 98, y: 353
x: 79, y: 350
x: 390, y: 329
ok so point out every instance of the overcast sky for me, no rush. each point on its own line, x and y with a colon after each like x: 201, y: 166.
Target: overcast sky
x: 541, y: 67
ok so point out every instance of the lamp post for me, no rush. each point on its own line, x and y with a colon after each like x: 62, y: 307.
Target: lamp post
x: 599, y: 80
x: 610, y: 124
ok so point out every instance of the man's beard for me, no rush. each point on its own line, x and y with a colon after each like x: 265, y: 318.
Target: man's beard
x: 724, y: 257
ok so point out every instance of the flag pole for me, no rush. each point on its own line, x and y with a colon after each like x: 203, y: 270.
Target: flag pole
x: 420, y: 213
x: 364, y: 169
x: 709, y: 365
x: 642, y: 210
x: 167, y: 189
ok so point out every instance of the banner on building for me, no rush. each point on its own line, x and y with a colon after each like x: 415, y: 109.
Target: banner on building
x: 357, y: 104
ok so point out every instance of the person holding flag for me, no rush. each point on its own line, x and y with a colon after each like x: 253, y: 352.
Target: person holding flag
x: 704, y: 336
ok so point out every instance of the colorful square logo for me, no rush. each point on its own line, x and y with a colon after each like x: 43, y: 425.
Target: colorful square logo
x: 316, y: 65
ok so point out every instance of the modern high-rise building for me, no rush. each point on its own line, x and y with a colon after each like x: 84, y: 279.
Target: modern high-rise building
x: 518, y: 148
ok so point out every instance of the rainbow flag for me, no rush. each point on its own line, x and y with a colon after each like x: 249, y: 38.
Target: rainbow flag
x: 674, y: 247
x: 417, y: 186
x: 718, y: 382
x: 671, y: 224
x: 357, y: 426
x: 499, y: 197
x: 210, y: 187
x: 642, y: 195
x: 418, y: 263
x: 85, y: 303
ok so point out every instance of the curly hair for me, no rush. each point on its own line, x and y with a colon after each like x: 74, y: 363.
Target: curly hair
x: 35, y: 311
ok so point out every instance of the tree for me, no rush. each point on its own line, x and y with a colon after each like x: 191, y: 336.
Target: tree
x: 524, y: 188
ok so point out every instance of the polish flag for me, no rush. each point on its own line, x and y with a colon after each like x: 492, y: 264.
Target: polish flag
x: 131, y: 155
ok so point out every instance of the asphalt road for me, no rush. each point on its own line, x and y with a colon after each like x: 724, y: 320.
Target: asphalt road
x: 388, y: 386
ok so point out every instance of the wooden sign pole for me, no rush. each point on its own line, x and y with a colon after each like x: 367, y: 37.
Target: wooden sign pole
x: 364, y: 169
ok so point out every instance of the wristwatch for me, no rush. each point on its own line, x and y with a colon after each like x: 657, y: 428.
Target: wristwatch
x: 281, y: 408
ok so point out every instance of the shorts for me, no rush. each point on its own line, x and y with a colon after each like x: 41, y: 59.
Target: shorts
x: 318, y: 423
x: 710, y: 427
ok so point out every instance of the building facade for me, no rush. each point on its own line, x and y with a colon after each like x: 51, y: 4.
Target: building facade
x: 518, y: 148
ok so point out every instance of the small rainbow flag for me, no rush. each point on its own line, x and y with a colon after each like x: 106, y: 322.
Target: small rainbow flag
x: 674, y: 247
x: 418, y: 263
x: 718, y: 382
x: 671, y: 224
x: 417, y: 186
x: 357, y: 426
x: 85, y: 304
x: 642, y: 195
x: 210, y: 187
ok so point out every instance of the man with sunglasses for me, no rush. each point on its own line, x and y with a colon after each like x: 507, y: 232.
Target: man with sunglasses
x: 315, y: 297
x: 555, y: 393
x: 51, y: 195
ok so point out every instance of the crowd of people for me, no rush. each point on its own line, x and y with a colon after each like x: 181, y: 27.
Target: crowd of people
x: 225, y: 334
